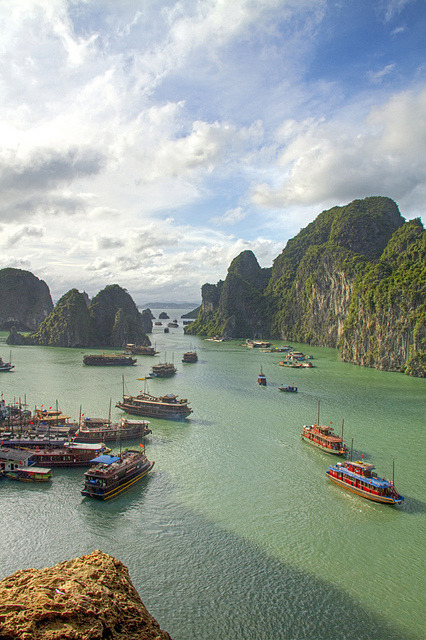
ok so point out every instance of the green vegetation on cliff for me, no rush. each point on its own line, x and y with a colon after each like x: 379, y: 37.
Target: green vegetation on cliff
x: 67, y: 325
x: 386, y: 323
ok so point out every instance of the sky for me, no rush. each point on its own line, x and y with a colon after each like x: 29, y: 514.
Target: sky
x: 146, y: 143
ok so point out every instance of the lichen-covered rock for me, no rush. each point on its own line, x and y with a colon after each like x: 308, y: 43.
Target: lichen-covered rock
x: 89, y: 598
x: 25, y: 300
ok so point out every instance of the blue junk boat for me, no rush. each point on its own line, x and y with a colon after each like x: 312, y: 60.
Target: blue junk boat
x: 358, y: 477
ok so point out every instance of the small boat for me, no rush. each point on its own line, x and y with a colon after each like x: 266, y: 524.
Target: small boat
x: 291, y: 388
x: 190, y: 356
x: 358, y: 477
x: 158, y: 324
x: 109, y: 360
x: 163, y: 370
x: 166, y: 329
x: 110, y: 475
x: 140, y: 350
x: 257, y: 344
x: 94, y: 430
x: 6, y: 366
x: 261, y: 379
x: 30, y: 474
x: 166, y: 407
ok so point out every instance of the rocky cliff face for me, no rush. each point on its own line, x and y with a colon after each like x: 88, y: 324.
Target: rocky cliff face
x: 116, y: 320
x: 236, y: 306
x: 89, y: 598
x: 354, y: 277
x: 386, y: 326
x: 25, y: 300
x: 66, y: 326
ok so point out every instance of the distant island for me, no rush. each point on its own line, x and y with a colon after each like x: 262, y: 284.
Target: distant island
x: 169, y: 305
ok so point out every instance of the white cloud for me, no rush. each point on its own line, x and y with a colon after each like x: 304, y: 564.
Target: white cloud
x: 377, y: 76
x: 230, y: 217
x: 335, y: 161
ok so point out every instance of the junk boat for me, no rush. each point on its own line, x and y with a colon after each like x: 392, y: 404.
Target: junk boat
x: 94, y: 430
x: 72, y: 454
x: 30, y: 474
x: 322, y: 436
x: 140, y: 350
x: 168, y: 406
x: 110, y: 475
x: 190, y: 356
x: 358, y: 477
x: 163, y: 370
x: 109, y: 360
x: 261, y: 379
x: 291, y: 388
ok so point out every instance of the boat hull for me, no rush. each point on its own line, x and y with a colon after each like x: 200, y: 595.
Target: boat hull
x: 364, y: 494
x: 122, y: 486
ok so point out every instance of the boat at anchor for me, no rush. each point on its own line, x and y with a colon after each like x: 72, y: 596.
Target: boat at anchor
x: 358, y: 477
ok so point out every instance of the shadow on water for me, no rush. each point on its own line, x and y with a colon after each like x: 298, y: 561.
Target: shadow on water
x: 224, y: 588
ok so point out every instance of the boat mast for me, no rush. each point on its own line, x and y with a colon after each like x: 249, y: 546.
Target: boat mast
x: 318, y: 412
x: 352, y: 447
x: 393, y: 471
x: 343, y: 422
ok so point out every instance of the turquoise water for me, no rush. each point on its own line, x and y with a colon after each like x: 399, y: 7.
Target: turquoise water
x: 237, y: 534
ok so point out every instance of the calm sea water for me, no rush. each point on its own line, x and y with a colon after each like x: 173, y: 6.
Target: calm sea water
x: 237, y: 534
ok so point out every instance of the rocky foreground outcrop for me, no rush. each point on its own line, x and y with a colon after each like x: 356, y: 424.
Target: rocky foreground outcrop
x: 89, y: 598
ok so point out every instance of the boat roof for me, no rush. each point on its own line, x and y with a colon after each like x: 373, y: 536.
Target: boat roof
x: 105, y: 459
x: 84, y: 445
x: 13, y: 454
x: 34, y: 469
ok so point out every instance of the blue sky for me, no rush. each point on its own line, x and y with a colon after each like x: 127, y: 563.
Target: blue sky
x: 147, y: 143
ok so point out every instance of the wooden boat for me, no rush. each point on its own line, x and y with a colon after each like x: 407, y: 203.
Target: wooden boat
x: 322, y: 436
x: 72, y: 454
x: 163, y: 370
x: 109, y: 360
x: 173, y: 324
x: 190, y: 356
x: 358, y: 477
x: 30, y: 474
x: 110, y: 475
x: 261, y: 379
x: 167, y: 406
x: 291, y: 388
x: 94, y: 430
x: 6, y: 366
x: 140, y: 350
